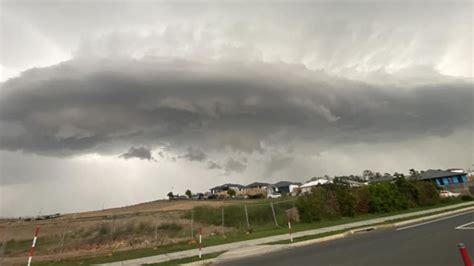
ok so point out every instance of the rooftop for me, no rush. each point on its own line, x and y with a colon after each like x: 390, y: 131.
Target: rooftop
x: 257, y: 184
x: 431, y: 173
x: 286, y: 183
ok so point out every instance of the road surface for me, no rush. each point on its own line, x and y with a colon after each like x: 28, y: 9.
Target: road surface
x: 428, y: 243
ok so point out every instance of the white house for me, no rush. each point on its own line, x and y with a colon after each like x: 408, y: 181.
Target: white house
x: 306, y: 188
x: 285, y: 187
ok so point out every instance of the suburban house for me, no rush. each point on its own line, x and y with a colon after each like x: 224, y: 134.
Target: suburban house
x: 353, y: 183
x: 256, y: 188
x: 285, y: 187
x: 222, y: 190
x: 306, y: 188
x: 453, y: 180
x: 381, y: 179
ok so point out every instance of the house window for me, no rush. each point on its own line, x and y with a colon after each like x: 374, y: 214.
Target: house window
x: 445, y: 181
x: 464, y: 179
x: 438, y: 182
x: 455, y: 179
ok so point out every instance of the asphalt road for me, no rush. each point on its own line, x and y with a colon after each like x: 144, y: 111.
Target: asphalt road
x: 432, y: 243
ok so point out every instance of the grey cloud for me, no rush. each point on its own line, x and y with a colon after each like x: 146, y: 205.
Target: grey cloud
x: 194, y: 155
x: 277, y: 163
x: 83, y: 106
x: 142, y: 153
x: 213, y: 165
x: 233, y: 165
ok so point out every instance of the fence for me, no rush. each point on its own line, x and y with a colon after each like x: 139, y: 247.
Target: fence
x: 246, y: 215
x: 68, y: 236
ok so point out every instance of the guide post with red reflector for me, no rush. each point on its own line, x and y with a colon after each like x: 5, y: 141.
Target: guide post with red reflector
x: 32, y: 250
x: 464, y: 255
x: 200, y: 242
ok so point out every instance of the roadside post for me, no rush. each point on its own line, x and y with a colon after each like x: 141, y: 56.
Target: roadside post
x: 32, y: 250
x: 63, y: 236
x: 192, y: 225
x: 247, y: 217
x: 200, y: 242
x: 289, y: 229
x: 222, y: 214
x: 274, y: 215
x: 464, y: 255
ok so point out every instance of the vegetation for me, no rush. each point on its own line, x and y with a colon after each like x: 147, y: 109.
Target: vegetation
x: 337, y: 200
x: 188, y: 193
x: 188, y: 260
x: 466, y: 198
x: 239, y: 235
x: 231, y: 192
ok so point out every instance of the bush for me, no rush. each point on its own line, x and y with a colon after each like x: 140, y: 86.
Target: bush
x: 346, y: 200
x: 408, y: 190
x: 104, y: 229
x: 385, y: 197
x: 362, y: 199
x: 170, y: 227
x: 466, y: 198
x: 320, y: 204
x: 428, y: 193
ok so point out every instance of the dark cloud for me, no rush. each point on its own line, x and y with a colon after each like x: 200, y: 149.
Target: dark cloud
x: 213, y: 165
x: 103, y: 106
x: 277, y: 163
x: 140, y: 153
x: 233, y: 165
x: 194, y: 155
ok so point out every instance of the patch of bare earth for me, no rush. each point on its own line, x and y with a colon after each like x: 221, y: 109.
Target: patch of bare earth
x: 100, y: 233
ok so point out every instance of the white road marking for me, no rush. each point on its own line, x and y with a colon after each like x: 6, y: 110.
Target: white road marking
x: 433, y: 221
x: 466, y: 227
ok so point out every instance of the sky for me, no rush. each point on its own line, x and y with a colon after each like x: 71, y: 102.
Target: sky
x: 111, y: 103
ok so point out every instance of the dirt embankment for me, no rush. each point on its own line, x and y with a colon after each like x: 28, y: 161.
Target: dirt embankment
x: 149, y: 224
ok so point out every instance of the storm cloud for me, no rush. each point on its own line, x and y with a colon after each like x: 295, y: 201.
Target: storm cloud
x: 142, y: 153
x: 225, y: 92
x: 194, y: 155
x: 100, y: 106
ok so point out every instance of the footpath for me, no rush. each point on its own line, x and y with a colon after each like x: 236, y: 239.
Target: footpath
x: 245, y: 245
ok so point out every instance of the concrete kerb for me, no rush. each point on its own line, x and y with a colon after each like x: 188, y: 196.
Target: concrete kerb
x: 262, y: 249
x: 434, y: 216
x: 357, y: 226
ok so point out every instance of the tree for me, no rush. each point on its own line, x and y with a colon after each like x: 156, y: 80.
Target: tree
x: 188, y: 193
x: 170, y: 195
x: 414, y: 174
x: 231, y: 192
x: 368, y: 175
x: 398, y: 175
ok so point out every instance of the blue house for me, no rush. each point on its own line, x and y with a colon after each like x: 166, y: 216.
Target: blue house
x: 454, y: 181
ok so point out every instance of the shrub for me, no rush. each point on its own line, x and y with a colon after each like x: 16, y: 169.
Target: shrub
x: 320, y: 204
x: 346, y: 201
x: 408, y: 190
x: 104, y: 229
x: 362, y: 199
x: 466, y: 198
x: 427, y: 193
x: 385, y: 197
x: 170, y: 227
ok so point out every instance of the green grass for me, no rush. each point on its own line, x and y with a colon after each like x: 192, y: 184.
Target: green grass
x: 238, y: 235
x: 305, y: 238
x: 188, y: 260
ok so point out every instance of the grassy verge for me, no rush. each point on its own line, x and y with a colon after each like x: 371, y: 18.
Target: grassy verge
x: 263, y: 231
x: 310, y: 237
x: 187, y: 260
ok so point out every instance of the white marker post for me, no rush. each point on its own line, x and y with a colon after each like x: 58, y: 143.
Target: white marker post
x: 289, y: 229
x: 32, y: 250
x: 200, y: 242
